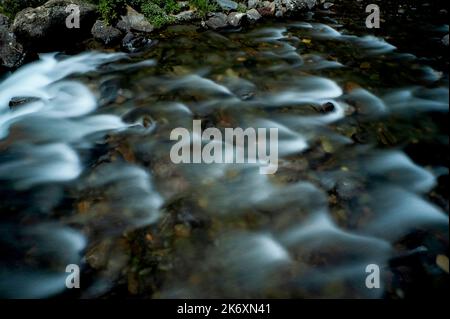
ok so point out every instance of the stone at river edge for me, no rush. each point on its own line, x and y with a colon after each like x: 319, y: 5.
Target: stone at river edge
x: 186, y: 16
x: 235, y: 19
x: 105, y: 33
x: 253, y: 15
x: 290, y: 7
x: 44, y: 27
x: 11, y: 52
x: 133, y: 42
x: 217, y: 21
x: 268, y: 9
x: 134, y: 21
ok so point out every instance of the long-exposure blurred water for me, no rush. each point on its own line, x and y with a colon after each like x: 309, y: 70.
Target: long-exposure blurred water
x: 86, y: 178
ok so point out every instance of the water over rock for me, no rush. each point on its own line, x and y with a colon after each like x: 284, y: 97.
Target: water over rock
x: 133, y: 42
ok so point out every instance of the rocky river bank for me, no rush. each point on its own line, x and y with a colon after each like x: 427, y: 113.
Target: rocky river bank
x: 43, y: 28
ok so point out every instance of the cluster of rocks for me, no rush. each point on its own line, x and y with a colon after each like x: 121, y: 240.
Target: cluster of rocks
x: 131, y: 31
x: 44, y: 28
x: 236, y: 14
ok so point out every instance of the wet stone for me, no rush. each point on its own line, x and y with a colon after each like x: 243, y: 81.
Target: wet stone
x: 134, y: 42
x: 186, y: 16
x: 445, y: 40
x: 235, y: 19
x: 326, y: 108
x: 217, y: 21
x: 105, y: 33
x: 253, y: 15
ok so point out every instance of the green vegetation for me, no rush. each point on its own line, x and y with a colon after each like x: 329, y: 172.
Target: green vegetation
x: 11, y: 7
x: 241, y: 8
x: 156, y: 11
x: 110, y: 10
x: 155, y: 14
x: 170, y: 6
x: 203, y: 6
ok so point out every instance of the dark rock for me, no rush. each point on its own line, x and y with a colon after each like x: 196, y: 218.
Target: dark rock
x: 217, y: 21
x: 12, y: 53
x: 4, y: 21
x: 326, y: 108
x: 227, y: 5
x: 134, y: 21
x: 236, y: 19
x: 105, y: 33
x: 44, y: 28
x: 327, y: 5
x: 135, y: 43
x: 18, y: 101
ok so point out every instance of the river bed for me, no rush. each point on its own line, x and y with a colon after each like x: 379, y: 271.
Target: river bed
x: 86, y: 178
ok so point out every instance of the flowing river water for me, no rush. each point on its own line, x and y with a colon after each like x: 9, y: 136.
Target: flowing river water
x: 86, y: 178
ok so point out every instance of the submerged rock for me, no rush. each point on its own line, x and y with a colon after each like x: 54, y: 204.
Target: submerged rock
x: 44, y: 27
x: 325, y: 108
x: 347, y: 188
x: 105, y: 33
x: 445, y: 40
x: 134, y: 42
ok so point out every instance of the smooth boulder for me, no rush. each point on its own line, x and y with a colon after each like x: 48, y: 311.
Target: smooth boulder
x: 45, y: 28
x: 217, y: 21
